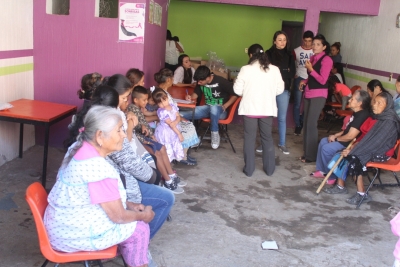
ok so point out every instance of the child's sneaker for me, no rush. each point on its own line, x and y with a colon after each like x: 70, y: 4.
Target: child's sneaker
x: 173, y: 187
x: 179, y: 181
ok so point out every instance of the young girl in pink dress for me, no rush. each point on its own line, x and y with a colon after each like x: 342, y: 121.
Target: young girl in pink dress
x: 167, y: 131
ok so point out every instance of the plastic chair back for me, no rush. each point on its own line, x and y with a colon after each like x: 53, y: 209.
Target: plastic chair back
x: 231, y: 113
x: 36, y: 196
x: 355, y: 88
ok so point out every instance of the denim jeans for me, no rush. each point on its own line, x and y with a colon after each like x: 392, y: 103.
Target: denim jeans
x: 298, y: 95
x: 214, y: 112
x: 161, y: 200
x: 326, y: 151
x: 282, y: 101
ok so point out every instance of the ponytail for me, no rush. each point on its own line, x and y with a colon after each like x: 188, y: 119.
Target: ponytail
x: 256, y: 52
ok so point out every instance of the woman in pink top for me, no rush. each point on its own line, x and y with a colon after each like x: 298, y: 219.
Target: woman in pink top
x: 315, y: 94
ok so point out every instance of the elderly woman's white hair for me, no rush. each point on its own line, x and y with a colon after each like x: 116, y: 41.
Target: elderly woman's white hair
x: 98, y: 118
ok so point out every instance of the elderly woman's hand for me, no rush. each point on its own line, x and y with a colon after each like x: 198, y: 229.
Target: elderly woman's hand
x: 148, y: 214
x: 134, y: 206
x: 345, y: 152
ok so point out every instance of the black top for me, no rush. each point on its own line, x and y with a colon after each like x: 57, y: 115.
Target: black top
x: 355, y: 121
x: 217, y: 92
x: 284, y: 60
x: 312, y: 82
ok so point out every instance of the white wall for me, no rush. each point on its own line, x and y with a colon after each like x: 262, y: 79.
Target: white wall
x: 16, y: 74
x: 367, y: 41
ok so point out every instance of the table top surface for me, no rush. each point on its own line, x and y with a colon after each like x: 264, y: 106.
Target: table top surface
x: 36, y: 110
x: 180, y: 93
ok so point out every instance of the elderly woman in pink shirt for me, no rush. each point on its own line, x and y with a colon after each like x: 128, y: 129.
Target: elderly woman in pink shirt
x: 315, y: 94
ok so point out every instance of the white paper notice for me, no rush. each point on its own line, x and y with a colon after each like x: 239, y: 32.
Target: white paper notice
x: 269, y: 245
x: 131, y: 22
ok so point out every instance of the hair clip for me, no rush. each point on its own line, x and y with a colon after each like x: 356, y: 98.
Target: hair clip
x: 82, y: 129
x: 152, y: 89
x: 261, y: 51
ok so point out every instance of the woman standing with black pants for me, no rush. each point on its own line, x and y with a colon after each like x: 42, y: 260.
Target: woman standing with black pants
x: 315, y: 94
x: 259, y: 83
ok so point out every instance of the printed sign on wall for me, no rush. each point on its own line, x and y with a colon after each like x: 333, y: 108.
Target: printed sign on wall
x: 131, y: 22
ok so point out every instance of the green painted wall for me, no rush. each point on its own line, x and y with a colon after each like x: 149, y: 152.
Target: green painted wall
x: 225, y: 29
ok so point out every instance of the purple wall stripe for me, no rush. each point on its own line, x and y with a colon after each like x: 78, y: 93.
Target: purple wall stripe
x: 372, y: 71
x: 16, y: 53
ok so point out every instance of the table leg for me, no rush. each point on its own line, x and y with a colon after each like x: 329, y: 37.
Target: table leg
x: 21, y: 139
x: 46, y: 148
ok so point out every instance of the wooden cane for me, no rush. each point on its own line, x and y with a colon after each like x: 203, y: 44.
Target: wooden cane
x: 333, y: 168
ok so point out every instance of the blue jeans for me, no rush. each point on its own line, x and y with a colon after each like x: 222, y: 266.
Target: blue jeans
x: 282, y: 101
x: 214, y: 112
x: 326, y: 151
x: 161, y: 200
x: 298, y: 95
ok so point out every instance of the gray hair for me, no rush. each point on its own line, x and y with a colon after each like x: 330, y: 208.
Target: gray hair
x: 98, y: 118
x: 363, y: 97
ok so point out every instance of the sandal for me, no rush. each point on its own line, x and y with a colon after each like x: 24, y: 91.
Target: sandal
x: 187, y: 162
x: 317, y: 174
x: 306, y: 160
x: 302, y: 158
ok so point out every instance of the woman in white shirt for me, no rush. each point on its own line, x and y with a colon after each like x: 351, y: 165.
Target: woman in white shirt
x: 172, y: 51
x: 259, y: 83
x: 183, y: 75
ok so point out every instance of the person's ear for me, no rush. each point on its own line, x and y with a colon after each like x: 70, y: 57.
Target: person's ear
x: 99, y: 138
x: 250, y: 55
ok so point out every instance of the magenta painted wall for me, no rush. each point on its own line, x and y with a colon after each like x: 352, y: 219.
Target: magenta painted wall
x: 67, y: 47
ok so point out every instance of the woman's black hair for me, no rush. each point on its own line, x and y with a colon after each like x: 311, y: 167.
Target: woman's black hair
x: 276, y: 56
x: 169, y: 35
x: 120, y: 83
x: 324, y: 42
x: 89, y: 82
x: 162, y: 76
x: 374, y: 83
x: 256, y: 52
x: 103, y: 96
x: 158, y: 95
x: 187, y: 73
x: 339, y: 68
x: 134, y: 75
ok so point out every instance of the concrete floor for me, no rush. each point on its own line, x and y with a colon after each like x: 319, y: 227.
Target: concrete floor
x: 223, y: 216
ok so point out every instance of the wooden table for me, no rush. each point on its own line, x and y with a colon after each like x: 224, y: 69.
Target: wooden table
x: 39, y: 113
x: 180, y: 93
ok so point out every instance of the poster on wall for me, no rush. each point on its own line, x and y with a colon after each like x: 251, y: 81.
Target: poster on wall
x: 157, y: 14
x: 151, y: 12
x: 131, y: 22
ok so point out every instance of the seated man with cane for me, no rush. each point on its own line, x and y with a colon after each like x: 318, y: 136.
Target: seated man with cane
x: 328, y: 146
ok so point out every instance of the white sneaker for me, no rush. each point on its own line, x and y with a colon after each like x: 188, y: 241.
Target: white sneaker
x: 215, y: 140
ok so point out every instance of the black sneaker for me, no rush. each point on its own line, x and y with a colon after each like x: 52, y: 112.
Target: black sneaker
x: 356, y: 198
x: 297, y: 130
x: 174, y: 187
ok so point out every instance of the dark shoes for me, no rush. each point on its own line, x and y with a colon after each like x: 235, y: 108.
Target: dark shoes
x: 297, y: 130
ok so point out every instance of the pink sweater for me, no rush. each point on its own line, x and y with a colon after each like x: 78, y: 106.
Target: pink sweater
x: 322, y: 77
x: 395, y: 223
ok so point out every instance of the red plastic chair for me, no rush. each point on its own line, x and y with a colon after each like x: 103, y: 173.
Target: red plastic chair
x: 36, y: 196
x: 223, y: 124
x: 393, y: 165
x: 339, y: 105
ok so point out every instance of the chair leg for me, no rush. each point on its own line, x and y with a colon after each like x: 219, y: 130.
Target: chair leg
x: 225, y: 129
x: 100, y: 263
x: 45, y: 263
x: 369, y: 186
x: 397, y: 179
x: 201, y: 139
x: 86, y: 263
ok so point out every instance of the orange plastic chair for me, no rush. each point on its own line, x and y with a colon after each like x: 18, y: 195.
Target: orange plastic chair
x: 36, y: 196
x: 393, y: 165
x: 223, y: 124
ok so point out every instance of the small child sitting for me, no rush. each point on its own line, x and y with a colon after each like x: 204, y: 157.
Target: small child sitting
x: 167, y: 131
x: 150, y: 111
x: 146, y: 136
